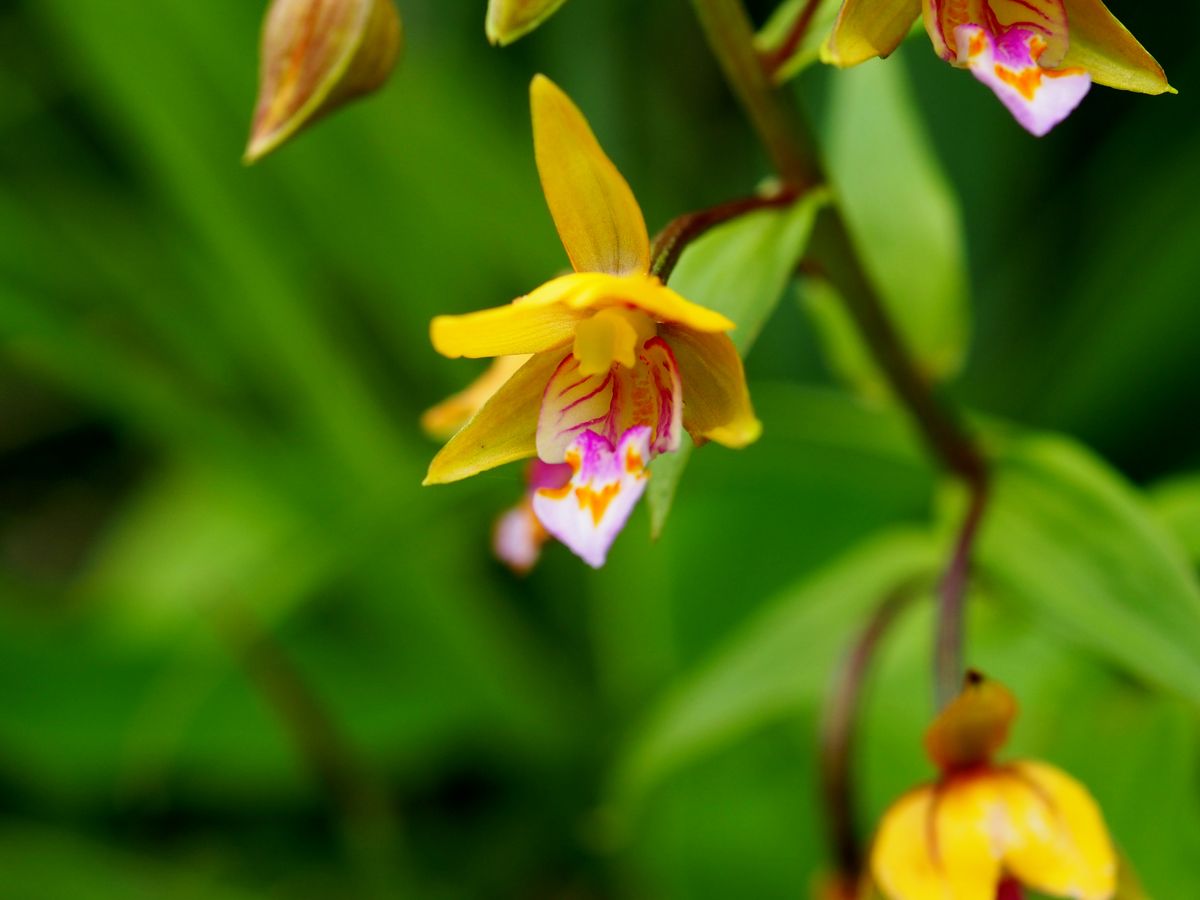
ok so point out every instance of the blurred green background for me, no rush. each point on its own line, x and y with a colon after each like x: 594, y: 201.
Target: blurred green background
x: 244, y: 654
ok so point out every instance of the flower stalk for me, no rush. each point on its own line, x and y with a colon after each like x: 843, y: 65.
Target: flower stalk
x: 838, y: 729
x: 669, y: 244
x: 730, y: 33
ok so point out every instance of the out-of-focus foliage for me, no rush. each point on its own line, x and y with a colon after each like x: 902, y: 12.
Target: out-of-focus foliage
x: 244, y: 654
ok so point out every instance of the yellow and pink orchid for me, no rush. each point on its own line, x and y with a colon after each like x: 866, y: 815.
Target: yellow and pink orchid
x: 618, y: 363
x: 985, y: 829
x: 1040, y: 57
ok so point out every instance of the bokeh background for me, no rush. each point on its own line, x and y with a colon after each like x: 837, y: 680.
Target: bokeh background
x: 243, y: 653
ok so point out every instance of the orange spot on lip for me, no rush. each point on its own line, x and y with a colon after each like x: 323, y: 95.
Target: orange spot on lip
x: 596, y: 501
x: 1027, y: 81
x: 633, y: 461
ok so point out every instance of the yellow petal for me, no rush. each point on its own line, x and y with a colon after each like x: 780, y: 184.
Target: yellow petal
x: 316, y: 56
x: 1057, y: 841
x: 441, y: 421
x: 1110, y: 54
x: 508, y: 20
x: 907, y: 866
x: 646, y: 293
x: 503, y: 431
x: 539, y: 321
x: 597, y: 217
x: 716, y: 401
x: 869, y: 28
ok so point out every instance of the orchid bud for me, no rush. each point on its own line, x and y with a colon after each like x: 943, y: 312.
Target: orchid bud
x: 317, y: 55
x: 508, y: 20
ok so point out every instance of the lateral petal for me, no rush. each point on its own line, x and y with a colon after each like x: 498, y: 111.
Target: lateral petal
x: 538, y: 321
x: 1057, y: 841
x: 868, y: 28
x: 612, y: 402
x: 1111, y: 55
x: 911, y: 858
x: 503, y: 431
x: 716, y: 400
x: 598, y: 219
x: 590, y: 511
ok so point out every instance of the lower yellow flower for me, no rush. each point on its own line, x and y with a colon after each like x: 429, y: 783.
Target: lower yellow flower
x: 983, y: 828
x: 617, y: 365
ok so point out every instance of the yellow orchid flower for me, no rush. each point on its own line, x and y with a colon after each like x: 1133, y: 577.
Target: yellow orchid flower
x: 1040, y: 57
x: 984, y: 829
x: 619, y: 363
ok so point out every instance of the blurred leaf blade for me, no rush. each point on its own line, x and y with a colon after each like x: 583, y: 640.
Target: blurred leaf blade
x: 905, y: 219
x: 777, y: 663
x: 1070, y: 540
x: 741, y: 270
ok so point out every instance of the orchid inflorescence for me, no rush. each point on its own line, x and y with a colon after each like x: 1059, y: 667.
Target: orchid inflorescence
x: 599, y: 372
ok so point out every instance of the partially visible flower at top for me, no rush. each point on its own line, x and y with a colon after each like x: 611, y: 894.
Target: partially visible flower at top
x: 620, y: 364
x: 1040, y: 57
x: 317, y: 55
x: 508, y: 20
x: 984, y: 828
x: 518, y: 536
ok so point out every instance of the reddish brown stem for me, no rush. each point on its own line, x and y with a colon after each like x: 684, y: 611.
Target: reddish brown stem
x: 670, y: 243
x: 952, y: 595
x: 774, y: 60
x: 838, y: 732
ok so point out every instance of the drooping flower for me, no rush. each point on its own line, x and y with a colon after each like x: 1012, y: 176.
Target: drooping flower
x: 984, y: 828
x: 619, y: 363
x: 1040, y: 57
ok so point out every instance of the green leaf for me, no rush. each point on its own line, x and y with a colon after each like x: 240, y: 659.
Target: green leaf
x: 1177, y: 505
x: 1068, y: 538
x: 772, y: 40
x: 778, y: 663
x: 905, y: 220
x: 741, y: 270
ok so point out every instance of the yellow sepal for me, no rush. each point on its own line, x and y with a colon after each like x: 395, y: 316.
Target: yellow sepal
x: 503, y: 431
x: 868, y: 28
x: 1102, y: 46
x: 1075, y: 857
x: 716, y: 400
x: 598, y: 219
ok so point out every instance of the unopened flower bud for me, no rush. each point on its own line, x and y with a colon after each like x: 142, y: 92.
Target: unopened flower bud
x: 317, y: 55
x: 508, y: 20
